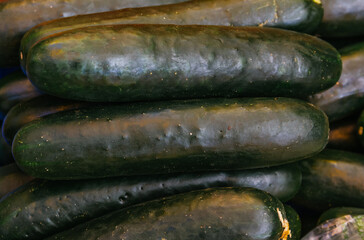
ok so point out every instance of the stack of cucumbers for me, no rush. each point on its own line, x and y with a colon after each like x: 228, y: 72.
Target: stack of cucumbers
x: 176, y: 120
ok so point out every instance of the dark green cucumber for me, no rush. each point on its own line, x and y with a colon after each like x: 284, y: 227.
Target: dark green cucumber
x: 297, y: 15
x: 333, y: 178
x: 33, y: 109
x: 15, y: 88
x: 339, y: 212
x: 18, y: 16
x: 294, y: 223
x: 11, y: 178
x: 214, y: 214
x: 342, y: 18
x: 166, y: 137
x: 160, y: 62
x: 43, y: 208
x: 344, y: 135
x: 347, y: 96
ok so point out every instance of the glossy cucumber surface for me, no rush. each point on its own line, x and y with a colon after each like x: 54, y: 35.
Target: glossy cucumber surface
x: 126, y: 63
x: 167, y: 137
x: 15, y: 88
x: 33, y: 109
x: 333, y: 178
x: 18, y: 16
x: 347, y: 96
x: 297, y: 15
x: 224, y: 213
x: 339, y: 212
x: 43, y: 208
x: 342, y: 18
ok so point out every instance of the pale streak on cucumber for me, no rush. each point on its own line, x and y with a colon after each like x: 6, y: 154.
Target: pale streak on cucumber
x: 285, y: 224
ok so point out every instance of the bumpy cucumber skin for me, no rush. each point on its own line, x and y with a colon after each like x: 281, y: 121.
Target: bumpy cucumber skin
x: 294, y: 223
x: 344, y: 135
x: 333, y: 178
x: 347, y: 96
x: 342, y: 18
x: 166, y: 137
x: 339, y: 212
x: 43, y: 208
x: 297, y: 15
x: 224, y: 213
x: 15, y: 88
x: 33, y: 109
x: 125, y: 63
x: 18, y: 16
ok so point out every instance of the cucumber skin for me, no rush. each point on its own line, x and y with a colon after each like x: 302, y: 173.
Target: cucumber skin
x: 339, y: 212
x: 347, y: 96
x: 15, y: 88
x: 360, y: 128
x: 297, y: 15
x: 342, y: 19
x: 46, y: 207
x: 167, y: 137
x: 18, y: 16
x: 294, y: 223
x: 163, y: 62
x: 11, y: 178
x: 33, y: 109
x: 344, y: 135
x: 225, y: 213
x: 333, y: 178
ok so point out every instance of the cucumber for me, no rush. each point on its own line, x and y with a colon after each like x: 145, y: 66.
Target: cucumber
x: 33, y: 109
x: 342, y: 18
x: 360, y: 128
x: 11, y: 178
x: 214, y: 214
x: 43, y: 208
x: 168, y: 137
x: 333, y: 178
x: 298, y: 15
x: 344, y: 135
x: 15, y: 88
x: 347, y: 96
x: 18, y: 16
x: 339, y: 212
x: 294, y: 223
x: 163, y: 62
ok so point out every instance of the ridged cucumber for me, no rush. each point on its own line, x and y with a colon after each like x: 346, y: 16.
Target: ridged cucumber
x: 214, y: 214
x: 342, y: 18
x: 298, y: 15
x: 43, y: 208
x: 347, y: 96
x: 33, y: 109
x: 126, y: 63
x: 166, y: 137
x: 333, y: 178
x: 18, y: 16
